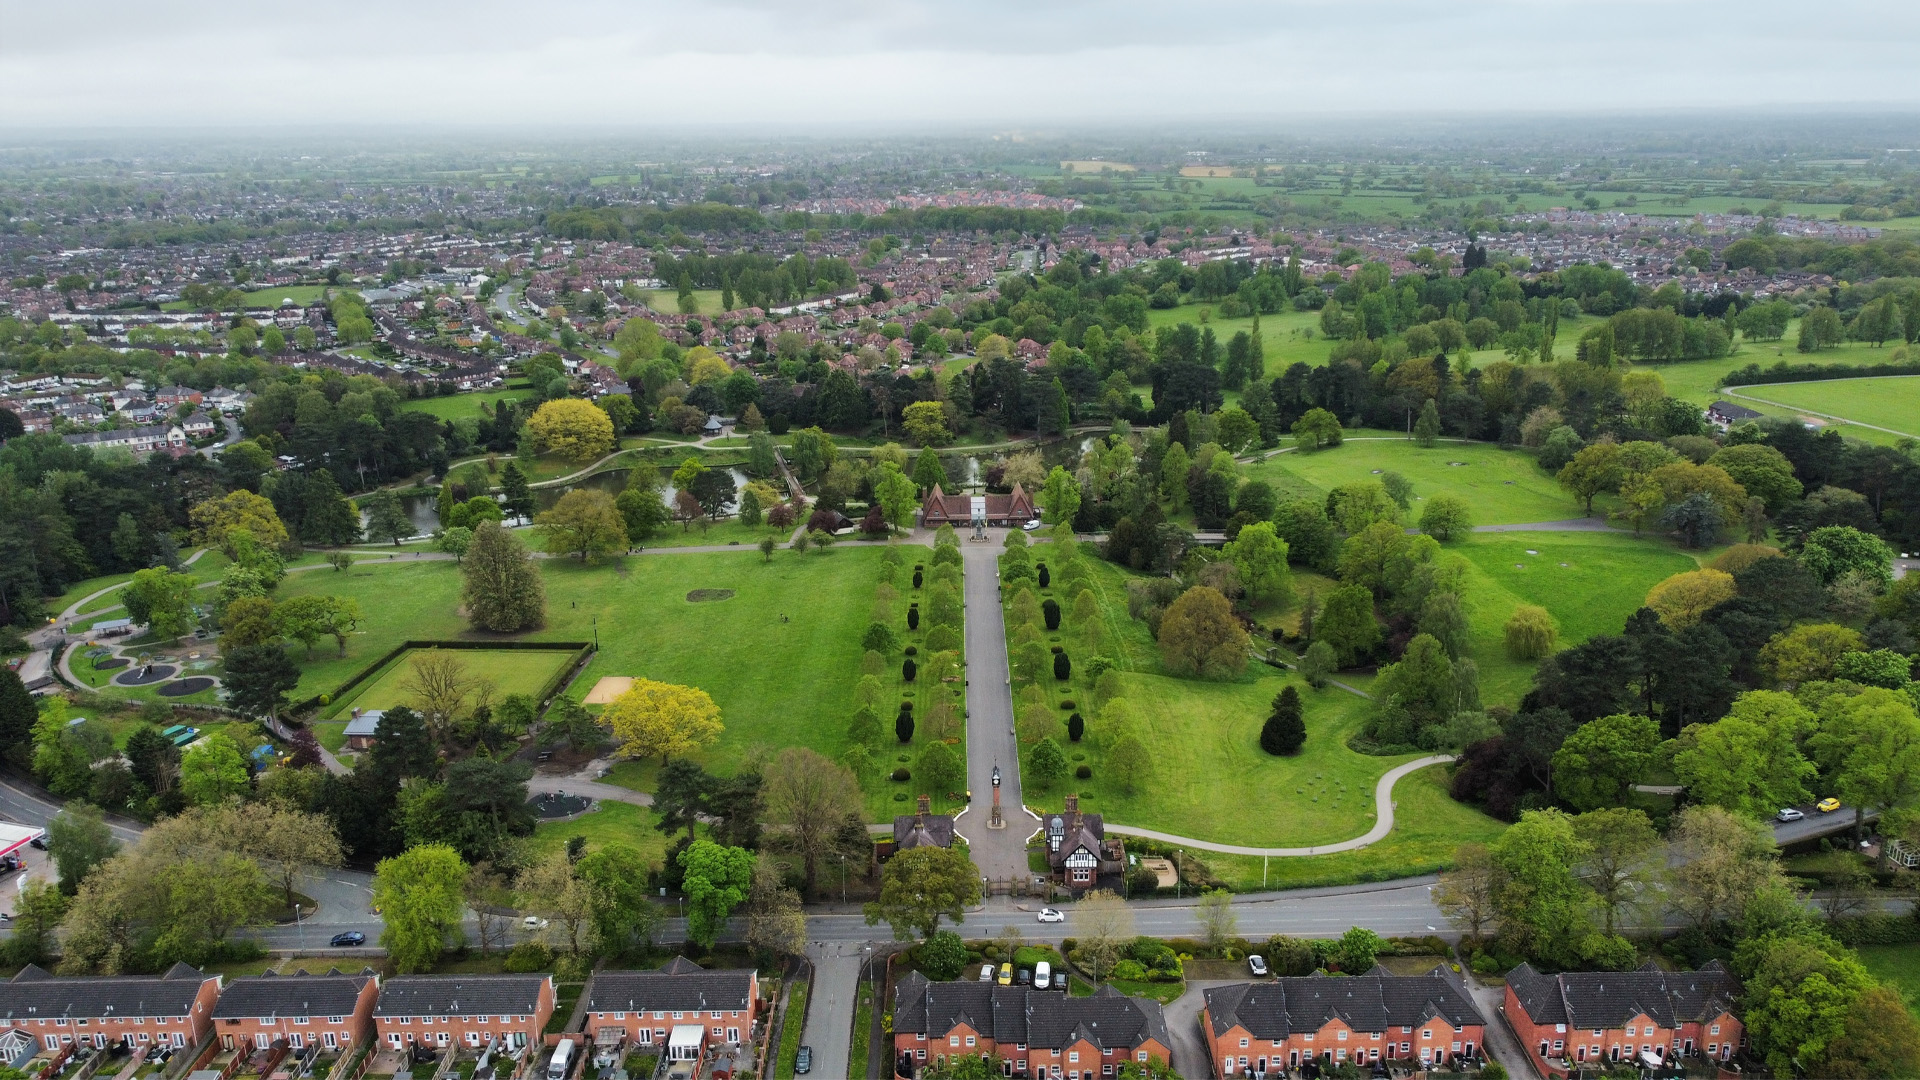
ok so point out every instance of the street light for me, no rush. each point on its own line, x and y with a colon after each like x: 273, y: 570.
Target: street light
x: 299, y: 930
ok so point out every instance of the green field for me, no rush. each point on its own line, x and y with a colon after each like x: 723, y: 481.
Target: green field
x: 667, y: 301
x: 1504, y: 487
x: 1897, y: 965
x: 269, y: 298
x: 512, y: 671
x: 1892, y: 402
x: 608, y: 823
x: 777, y: 683
x: 1605, y: 579
x: 1210, y: 778
x: 461, y: 406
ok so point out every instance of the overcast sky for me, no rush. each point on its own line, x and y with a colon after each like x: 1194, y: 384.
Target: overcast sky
x: 900, y: 64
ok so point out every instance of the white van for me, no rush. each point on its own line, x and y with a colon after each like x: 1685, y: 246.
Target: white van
x: 561, y: 1061
x: 1042, y: 975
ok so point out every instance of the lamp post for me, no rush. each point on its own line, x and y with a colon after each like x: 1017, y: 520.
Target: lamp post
x: 596, y: 632
x: 996, y: 821
x: 299, y: 930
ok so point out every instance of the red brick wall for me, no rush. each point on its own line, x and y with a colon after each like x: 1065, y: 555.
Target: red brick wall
x: 1358, y: 1046
x: 1531, y: 1035
x: 136, y: 1030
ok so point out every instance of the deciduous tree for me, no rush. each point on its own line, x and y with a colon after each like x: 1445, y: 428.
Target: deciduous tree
x: 572, y: 428
x: 921, y: 886
x: 1200, y: 636
x: 501, y: 587
x: 585, y: 524
x: 420, y: 894
x: 663, y: 719
x: 718, y: 879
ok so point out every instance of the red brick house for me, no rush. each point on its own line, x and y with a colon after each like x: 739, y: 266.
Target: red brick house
x: 1078, y: 851
x: 1368, y: 1019
x: 174, y: 1009
x: 679, y: 1006
x: 333, y: 1010
x: 1014, y: 508
x: 1033, y: 1032
x: 1647, y: 1016
x: 510, y: 1011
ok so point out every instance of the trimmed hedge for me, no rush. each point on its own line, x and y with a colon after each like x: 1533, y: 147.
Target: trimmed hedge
x: 1781, y: 371
x: 582, y: 650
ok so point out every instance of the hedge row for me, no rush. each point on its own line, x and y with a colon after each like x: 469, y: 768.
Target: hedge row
x: 581, y: 649
x: 1780, y: 372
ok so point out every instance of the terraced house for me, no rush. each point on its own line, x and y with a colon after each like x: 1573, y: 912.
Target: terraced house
x: 171, y: 1010
x: 507, y: 1011
x: 1033, y: 1033
x: 682, y: 1009
x: 1647, y: 1017
x: 1379, y: 1017
x: 331, y: 1010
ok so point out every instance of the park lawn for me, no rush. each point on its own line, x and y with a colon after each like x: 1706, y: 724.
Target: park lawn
x: 1286, y: 337
x: 776, y: 683
x: 458, y: 406
x: 207, y: 567
x: 1502, y: 487
x: 1898, y: 966
x: 1605, y: 579
x: 607, y: 823
x: 667, y: 301
x: 512, y: 671
x: 1891, y: 402
x: 1428, y: 827
x: 724, y: 531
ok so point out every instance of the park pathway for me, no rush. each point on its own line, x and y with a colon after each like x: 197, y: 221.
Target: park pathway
x: 1382, y: 824
x: 1001, y: 854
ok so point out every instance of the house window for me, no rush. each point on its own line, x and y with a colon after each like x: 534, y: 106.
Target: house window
x: 969, y: 1040
x: 921, y: 1054
x: 733, y: 1034
x: 301, y: 1020
x: 331, y: 1039
x: 1141, y: 1056
x: 296, y: 1040
x: 1243, y: 1044
x: 1073, y: 1056
x: 1340, y: 1036
x: 1426, y: 1034
x: 1714, y: 1030
x: 953, y: 1040
x: 619, y: 1016
x: 335, y: 1019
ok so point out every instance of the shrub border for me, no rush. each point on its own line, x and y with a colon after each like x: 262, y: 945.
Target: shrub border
x: 1783, y: 372
x: 582, y: 651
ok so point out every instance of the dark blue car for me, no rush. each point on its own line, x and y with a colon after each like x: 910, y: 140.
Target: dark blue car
x: 351, y: 937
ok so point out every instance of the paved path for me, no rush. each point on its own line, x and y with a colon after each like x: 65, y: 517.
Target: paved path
x: 836, y: 983
x: 1382, y: 825
x: 586, y: 781
x: 1190, y: 1057
x: 1499, y: 1042
x: 1001, y: 854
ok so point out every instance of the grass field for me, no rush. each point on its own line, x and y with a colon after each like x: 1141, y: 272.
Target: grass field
x: 667, y: 301
x: 461, y: 406
x: 1504, y: 487
x: 1605, y: 578
x: 609, y: 823
x: 512, y: 671
x: 1892, y: 402
x: 777, y: 683
x: 1210, y: 778
x: 1897, y: 965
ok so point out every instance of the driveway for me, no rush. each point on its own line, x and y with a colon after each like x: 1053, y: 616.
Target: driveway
x: 1501, y: 1044
x: 1190, y: 1057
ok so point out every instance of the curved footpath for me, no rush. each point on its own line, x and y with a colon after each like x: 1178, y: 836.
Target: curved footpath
x: 1383, y: 822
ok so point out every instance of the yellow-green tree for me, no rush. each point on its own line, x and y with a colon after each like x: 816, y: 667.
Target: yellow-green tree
x: 664, y: 719
x: 215, y: 520
x: 1681, y: 599
x: 572, y: 428
x: 926, y: 423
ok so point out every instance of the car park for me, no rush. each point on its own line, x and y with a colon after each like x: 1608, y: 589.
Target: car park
x: 1790, y: 814
x: 1048, y: 914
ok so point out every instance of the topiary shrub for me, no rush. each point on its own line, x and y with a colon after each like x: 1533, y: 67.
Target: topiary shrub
x: 1067, y: 705
x: 1041, y: 572
x: 901, y: 776
x: 1076, y: 727
x: 1084, y: 772
x: 903, y: 728
x: 913, y: 617
x: 918, y: 577
x: 908, y: 669
x: 1050, y: 611
x: 1062, y: 667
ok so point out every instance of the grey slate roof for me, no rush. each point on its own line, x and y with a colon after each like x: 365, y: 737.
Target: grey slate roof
x: 299, y: 994
x: 460, y: 995
x: 930, y: 830
x: 680, y: 986
x: 1608, y: 999
x: 33, y: 993
x: 1370, y: 1003
x: 1050, y: 1019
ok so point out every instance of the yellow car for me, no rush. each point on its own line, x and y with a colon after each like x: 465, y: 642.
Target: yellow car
x: 1006, y: 974
x: 1827, y: 806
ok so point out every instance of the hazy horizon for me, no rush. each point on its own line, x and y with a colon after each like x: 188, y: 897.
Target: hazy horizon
x: 854, y: 66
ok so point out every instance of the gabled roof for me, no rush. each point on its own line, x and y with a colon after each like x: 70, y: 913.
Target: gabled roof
x: 299, y: 994
x: 34, y: 993
x: 1608, y: 999
x: 1370, y: 1003
x: 681, y: 986
x: 464, y: 995
x: 1019, y: 1014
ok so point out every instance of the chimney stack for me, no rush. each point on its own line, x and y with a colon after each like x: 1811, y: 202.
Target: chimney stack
x: 926, y: 807
x: 1073, y: 804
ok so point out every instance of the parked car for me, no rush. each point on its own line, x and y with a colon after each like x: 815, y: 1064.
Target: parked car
x: 986, y: 972
x: 1827, y: 805
x: 1042, y: 975
x: 803, y: 1061
x: 1006, y: 975
x: 39, y: 842
x: 533, y: 922
x: 351, y: 937
x: 1257, y: 965
x: 1048, y: 914
x: 1790, y: 814
x: 1023, y: 977
x: 1031, y: 525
